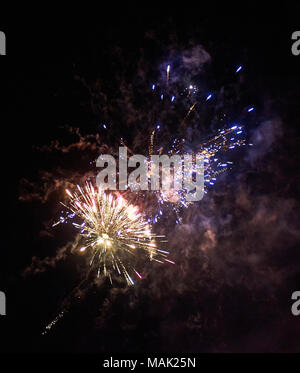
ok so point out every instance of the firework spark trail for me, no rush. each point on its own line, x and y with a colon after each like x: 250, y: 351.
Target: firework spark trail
x: 168, y: 73
x: 54, y: 321
x: 68, y: 302
x: 113, y: 232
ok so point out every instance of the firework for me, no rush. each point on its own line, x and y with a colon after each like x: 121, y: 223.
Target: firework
x: 113, y: 232
x: 159, y: 201
x: 212, y: 150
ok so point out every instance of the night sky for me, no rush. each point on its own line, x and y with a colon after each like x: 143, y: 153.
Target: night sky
x: 237, y: 251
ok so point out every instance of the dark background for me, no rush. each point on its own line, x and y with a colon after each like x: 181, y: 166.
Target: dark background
x: 46, y: 50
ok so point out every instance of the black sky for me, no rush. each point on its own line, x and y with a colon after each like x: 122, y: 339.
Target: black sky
x: 237, y: 256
